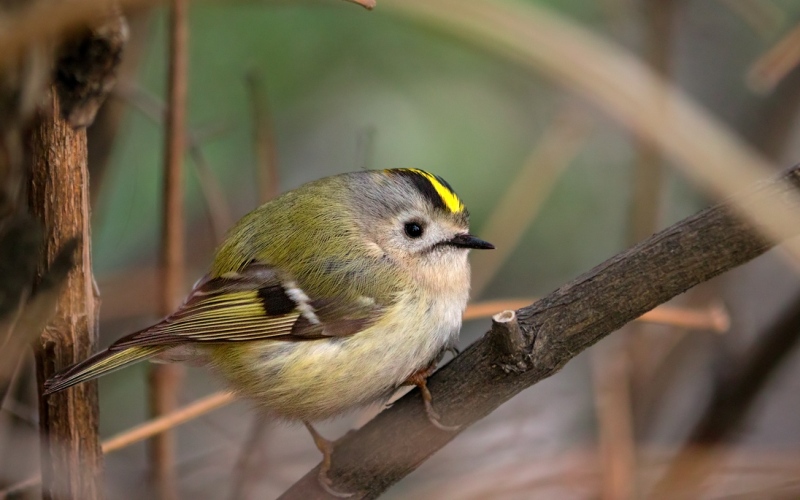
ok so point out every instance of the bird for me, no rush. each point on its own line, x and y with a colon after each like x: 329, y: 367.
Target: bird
x: 324, y: 300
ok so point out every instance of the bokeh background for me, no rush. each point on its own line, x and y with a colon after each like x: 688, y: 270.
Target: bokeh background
x: 324, y: 87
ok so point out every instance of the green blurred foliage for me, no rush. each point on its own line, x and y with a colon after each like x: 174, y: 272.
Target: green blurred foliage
x: 338, y: 77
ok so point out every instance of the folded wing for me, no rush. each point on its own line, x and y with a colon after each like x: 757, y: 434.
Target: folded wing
x: 256, y: 304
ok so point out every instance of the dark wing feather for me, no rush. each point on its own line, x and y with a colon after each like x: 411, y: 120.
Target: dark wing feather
x: 253, y: 305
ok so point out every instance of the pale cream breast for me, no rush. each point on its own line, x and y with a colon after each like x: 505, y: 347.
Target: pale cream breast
x: 317, y: 380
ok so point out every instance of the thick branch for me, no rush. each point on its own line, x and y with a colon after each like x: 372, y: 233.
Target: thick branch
x: 557, y: 328
x: 59, y: 197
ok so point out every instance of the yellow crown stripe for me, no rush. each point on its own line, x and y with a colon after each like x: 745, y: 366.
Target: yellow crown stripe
x: 450, y: 199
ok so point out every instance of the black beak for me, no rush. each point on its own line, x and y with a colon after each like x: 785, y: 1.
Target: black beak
x: 469, y: 241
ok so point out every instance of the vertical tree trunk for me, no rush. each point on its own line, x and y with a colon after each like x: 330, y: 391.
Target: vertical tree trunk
x: 59, y: 197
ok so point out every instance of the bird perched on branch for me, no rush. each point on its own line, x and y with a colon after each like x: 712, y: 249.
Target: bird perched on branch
x: 326, y: 299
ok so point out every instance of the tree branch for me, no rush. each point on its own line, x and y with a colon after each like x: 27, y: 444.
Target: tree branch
x: 165, y: 379
x: 59, y: 197
x: 556, y: 328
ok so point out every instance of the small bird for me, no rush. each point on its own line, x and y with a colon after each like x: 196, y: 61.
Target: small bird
x: 326, y: 299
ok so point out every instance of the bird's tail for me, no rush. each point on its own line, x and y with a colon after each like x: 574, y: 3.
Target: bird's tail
x: 100, y: 364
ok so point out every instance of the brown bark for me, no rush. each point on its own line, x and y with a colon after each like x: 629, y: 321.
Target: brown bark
x: 59, y: 197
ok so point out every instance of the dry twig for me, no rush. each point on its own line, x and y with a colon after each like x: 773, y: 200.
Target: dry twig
x: 767, y: 72
x: 765, y: 17
x: 615, y: 365
x: 242, y: 477
x: 219, y: 213
x: 527, y: 192
x: 367, y: 4
x: 165, y: 379
x: 168, y: 421
x: 714, y: 318
x: 263, y: 140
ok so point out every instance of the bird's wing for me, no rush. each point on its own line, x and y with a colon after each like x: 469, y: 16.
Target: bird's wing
x: 255, y: 304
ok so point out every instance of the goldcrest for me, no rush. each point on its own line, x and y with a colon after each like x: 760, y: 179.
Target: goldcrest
x: 326, y: 299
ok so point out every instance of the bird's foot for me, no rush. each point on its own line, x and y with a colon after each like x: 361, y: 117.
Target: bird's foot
x: 420, y: 379
x: 326, y: 448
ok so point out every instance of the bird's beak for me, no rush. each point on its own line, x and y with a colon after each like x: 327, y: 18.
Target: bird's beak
x: 469, y: 241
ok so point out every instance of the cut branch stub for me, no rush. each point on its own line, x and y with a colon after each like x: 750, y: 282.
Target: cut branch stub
x: 510, y: 342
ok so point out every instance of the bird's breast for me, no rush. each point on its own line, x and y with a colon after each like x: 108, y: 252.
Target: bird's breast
x: 314, y: 380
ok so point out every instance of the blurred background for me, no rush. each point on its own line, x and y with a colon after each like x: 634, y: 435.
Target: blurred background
x: 286, y: 91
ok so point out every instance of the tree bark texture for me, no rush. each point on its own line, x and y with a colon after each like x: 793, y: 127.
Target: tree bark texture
x: 59, y: 198
x: 556, y: 329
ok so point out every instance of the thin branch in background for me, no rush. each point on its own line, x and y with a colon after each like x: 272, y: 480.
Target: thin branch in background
x: 768, y: 70
x: 149, y: 429
x: 648, y: 172
x: 527, y: 192
x: 765, y: 17
x: 733, y: 397
x: 219, y: 212
x: 20, y: 247
x: 22, y: 411
x: 7, y: 401
x: 169, y: 421
x: 611, y: 373
x: 367, y: 4
x: 17, y: 489
x: 714, y: 318
x: 103, y: 133
x: 616, y: 364
x: 266, y: 153
x: 18, y: 413
x: 217, y: 207
x: 242, y: 476
x: 268, y: 187
x: 165, y: 380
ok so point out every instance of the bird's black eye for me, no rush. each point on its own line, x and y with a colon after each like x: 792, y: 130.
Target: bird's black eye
x: 413, y: 229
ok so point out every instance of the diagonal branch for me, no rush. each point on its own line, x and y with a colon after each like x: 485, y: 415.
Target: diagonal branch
x: 556, y: 329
